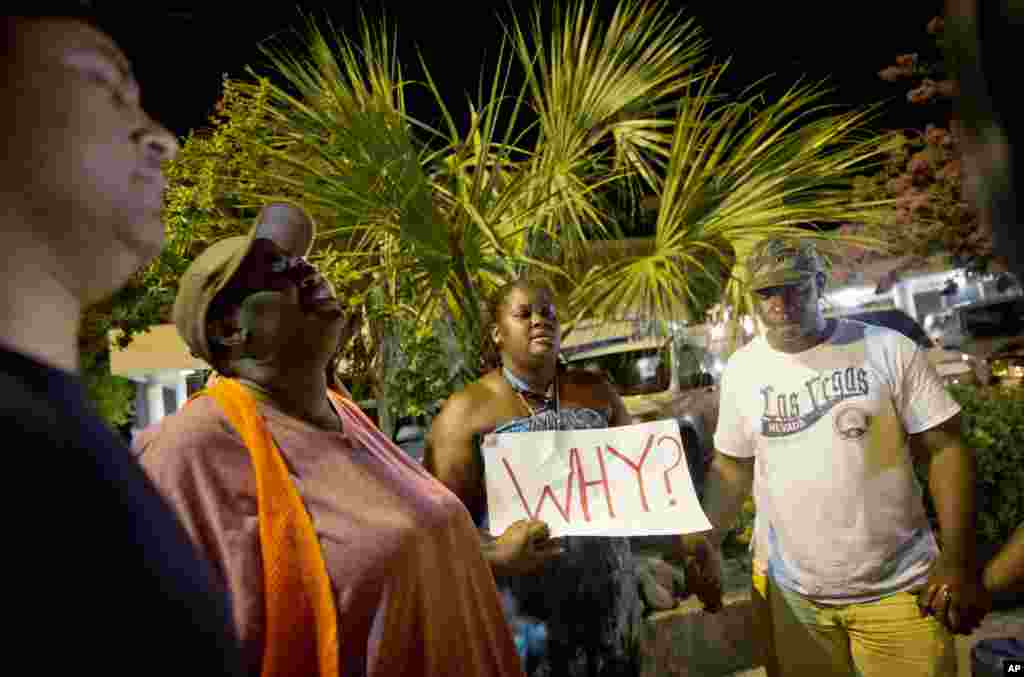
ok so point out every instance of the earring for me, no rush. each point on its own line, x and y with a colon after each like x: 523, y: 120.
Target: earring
x: 238, y: 339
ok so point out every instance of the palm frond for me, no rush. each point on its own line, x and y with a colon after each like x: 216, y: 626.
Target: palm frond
x: 738, y: 172
x: 619, y: 106
x: 339, y: 135
x: 598, y: 89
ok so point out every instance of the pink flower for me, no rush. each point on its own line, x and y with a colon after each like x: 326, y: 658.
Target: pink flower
x: 855, y: 254
x: 936, y: 136
x: 947, y: 88
x: 912, y: 200
x: 919, y: 163
x: 918, y: 200
x: 895, y: 73
x: 951, y: 170
x: 899, y: 184
x: 936, y: 25
x: 923, y: 94
x: 956, y: 129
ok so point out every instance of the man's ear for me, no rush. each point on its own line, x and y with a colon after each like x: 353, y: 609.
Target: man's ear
x: 496, y: 334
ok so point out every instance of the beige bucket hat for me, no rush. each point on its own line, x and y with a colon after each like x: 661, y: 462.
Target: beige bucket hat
x: 285, y: 224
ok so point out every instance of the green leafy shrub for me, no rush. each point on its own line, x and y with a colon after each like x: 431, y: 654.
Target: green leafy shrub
x: 993, y: 428
x: 112, y: 396
x: 737, y: 541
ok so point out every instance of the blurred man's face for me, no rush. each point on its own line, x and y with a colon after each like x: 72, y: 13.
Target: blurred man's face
x: 83, y: 162
x: 789, y: 312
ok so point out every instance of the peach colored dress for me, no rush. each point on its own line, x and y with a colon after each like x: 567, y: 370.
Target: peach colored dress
x: 414, y: 594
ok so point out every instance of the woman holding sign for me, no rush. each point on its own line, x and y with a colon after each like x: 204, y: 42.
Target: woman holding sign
x: 583, y: 588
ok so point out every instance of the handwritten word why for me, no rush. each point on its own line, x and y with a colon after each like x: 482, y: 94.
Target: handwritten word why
x: 579, y: 483
x: 625, y: 481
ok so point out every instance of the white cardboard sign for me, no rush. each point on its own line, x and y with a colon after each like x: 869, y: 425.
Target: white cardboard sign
x: 626, y: 481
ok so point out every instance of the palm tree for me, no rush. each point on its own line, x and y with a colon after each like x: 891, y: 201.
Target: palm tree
x: 738, y: 172
x: 436, y: 218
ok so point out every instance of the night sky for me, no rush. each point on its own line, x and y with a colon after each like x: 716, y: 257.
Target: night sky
x: 182, y: 50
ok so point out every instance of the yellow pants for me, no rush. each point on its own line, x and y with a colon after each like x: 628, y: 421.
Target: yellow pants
x: 884, y: 638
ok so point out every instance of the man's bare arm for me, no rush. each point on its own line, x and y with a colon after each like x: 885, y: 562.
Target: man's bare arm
x: 1005, y: 573
x: 951, y: 481
x: 728, y: 484
x: 954, y: 593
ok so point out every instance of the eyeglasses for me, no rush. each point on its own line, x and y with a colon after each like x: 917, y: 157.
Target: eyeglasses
x: 266, y: 271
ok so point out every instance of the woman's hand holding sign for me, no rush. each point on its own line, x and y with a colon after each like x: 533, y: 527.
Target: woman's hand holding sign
x: 524, y: 547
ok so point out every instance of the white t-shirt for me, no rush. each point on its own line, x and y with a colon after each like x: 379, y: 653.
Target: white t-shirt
x: 834, y: 484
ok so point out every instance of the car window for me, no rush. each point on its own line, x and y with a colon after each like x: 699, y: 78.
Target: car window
x: 694, y: 365
x: 636, y: 372
x: 998, y: 319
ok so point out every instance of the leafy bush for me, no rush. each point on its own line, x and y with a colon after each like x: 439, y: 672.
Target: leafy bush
x: 993, y: 428
x: 112, y: 396
x: 737, y: 541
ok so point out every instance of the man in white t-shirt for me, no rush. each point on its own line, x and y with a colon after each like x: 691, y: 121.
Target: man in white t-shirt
x: 826, y: 418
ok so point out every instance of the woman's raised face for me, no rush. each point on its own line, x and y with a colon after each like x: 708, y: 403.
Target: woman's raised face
x: 269, y: 268
x: 282, y: 301
x: 527, y: 325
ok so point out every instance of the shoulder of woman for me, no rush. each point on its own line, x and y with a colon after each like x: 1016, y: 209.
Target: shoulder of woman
x: 198, y: 435
x: 469, y: 406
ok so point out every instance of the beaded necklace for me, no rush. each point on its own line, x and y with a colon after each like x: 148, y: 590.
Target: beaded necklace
x: 523, y: 390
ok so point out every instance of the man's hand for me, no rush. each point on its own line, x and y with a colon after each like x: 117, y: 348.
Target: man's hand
x: 703, y: 566
x: 525, y: 547
x: 955, y: 596
x: 954, y: 593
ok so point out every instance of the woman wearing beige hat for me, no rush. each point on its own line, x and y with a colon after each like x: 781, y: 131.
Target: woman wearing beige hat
x: 341, y: 555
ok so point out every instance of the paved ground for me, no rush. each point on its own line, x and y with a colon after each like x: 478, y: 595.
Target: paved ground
x: 687, y: 641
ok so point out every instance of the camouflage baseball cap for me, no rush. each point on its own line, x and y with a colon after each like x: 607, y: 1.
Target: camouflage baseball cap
x: 286, y: 224
x: 778, y: 262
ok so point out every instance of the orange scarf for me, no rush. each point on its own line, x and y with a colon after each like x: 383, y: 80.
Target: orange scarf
x: 297, y: 589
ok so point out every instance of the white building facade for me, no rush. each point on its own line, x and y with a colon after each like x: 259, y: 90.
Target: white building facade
x: 163, y: 369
